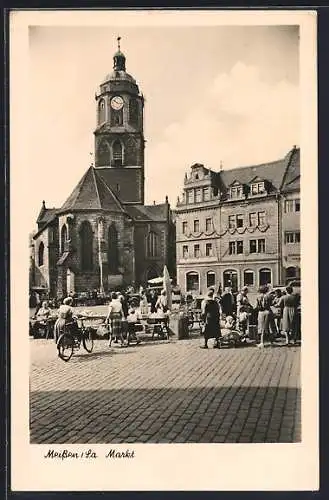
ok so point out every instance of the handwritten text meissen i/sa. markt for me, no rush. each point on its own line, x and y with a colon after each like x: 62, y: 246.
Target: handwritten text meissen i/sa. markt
x: 65, y: 454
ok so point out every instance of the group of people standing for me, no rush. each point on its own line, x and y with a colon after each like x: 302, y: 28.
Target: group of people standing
x: 275, y: 312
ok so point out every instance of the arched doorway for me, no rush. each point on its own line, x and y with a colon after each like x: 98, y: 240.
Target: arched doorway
x: 230, y: 279
x: 152, y: 273
x: 291, y: 273
x: 192, y: 282
x: 265, y: 276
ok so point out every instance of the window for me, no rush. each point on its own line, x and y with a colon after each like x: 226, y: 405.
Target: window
x: 190, y: 196
x: 261, y: 245
x: 206, y: 194
x: 198, y: 195
x: 236, y: 192
x: 184, y: 227
x: 235, y: 221
x: 41, y: 252
x: 192, y: 282
x: 232, y: 247
x: 86, y: 246
x: 101, y: 111
x: 63, y: 238
x: 261, y: 218
x: 231, y: 222
x: 152, y: 244
x: 211, y: 279
x: 117, y: 153
x: 253, y: 246
x: 185, y: 251
x: 265, y: 276
x: 133, y: 112
x: 116, y: 117
x: 239, y: 220
x: 292, y: 237
x: 291, y: 273
x: 113, y: 250
x: 248, y: 278
x: 196, y: 251
x: 239, y: 247
x: 257, y: 188
x: 257, y: 246
x: 104, y: 153
x: 208, y: 225
x: 208, y: 249
x: 196, y: 226
x: 253, y: 219
x: 292, y: 206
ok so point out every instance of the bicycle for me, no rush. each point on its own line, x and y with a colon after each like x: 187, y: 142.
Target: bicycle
x: 70, y: 340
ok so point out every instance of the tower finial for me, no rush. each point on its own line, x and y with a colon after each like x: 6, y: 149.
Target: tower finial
x: 118, y: 39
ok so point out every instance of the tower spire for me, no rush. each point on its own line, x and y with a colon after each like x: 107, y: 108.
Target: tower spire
x: 119, y: 59
x: 118, y: 40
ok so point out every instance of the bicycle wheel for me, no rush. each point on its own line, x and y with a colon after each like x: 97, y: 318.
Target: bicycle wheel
x: 88, y: 342
x: 65, y: 347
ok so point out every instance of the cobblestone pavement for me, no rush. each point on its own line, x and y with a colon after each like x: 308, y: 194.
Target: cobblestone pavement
x: 165, y: 392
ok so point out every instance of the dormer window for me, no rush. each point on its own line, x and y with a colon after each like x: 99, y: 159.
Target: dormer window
x: 258, y: 188
x: 236, y: 192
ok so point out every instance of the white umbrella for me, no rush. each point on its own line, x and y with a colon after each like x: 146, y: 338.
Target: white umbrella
x: 167, y: 286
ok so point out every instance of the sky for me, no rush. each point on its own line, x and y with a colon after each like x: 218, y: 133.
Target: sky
x: 213, y: 94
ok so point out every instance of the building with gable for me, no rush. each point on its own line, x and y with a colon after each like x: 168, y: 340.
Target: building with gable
x: 239, y: 226
x: 104, y: 236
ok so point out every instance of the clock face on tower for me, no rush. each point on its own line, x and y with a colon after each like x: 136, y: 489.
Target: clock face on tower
x: 116, y: 102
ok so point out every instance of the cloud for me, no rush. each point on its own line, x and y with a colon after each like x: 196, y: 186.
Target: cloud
x: 239, y: 120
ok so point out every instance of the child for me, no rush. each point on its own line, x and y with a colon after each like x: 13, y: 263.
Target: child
x: 133, y: 319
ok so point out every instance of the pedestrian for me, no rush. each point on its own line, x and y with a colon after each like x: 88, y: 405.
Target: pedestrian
x: 228, y: 302
x: 243, y: 310
x: 114, y: 319
x: 210, y: 313
x: 277, y: 308
x: 264, y: 303
x: 289, y: 303
x: 162, y: 302
x: 144, y: 307
x: 153, y: 301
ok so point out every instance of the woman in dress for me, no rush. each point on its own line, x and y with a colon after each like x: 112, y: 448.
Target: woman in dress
x: 210, y: 313
x: 289, y: 303
x: 264, y: 302
x: 277, y: 309
x: 65, y: 317
x: 144, y: 307
x: 114, y: 319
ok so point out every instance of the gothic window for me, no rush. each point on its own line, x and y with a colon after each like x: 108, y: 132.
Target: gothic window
x: 117, y: 153
x: 116, y: 117
x: 63, y: 238
x: 101, y: 111
x: 113, y: 250
x: 104, y: 153
x: 86, y: 246
x: 152, y: 244
x: 133, y: 112
x: 41, y: 251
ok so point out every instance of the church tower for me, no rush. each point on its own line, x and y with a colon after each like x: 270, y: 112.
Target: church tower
x: 119, y: 137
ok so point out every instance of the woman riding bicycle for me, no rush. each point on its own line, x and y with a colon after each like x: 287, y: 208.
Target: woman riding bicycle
x: 65, y: 318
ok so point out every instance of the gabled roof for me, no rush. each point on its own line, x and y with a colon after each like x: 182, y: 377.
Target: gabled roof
x: 292, y: 175
x: 46, y: 215
x: 92, y: 193
x: 279, y: 173
x: 152, y: 213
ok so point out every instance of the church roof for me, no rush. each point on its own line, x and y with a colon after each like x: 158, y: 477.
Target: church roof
x: 92, y: 193
x: 122, y: 180
x: 46, y: 215
x: 155, y: 213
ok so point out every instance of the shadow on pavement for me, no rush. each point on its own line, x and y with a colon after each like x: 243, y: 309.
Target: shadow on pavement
x: 168, y: 415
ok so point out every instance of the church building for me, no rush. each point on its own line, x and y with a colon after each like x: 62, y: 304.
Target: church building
x: 104, y: 236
